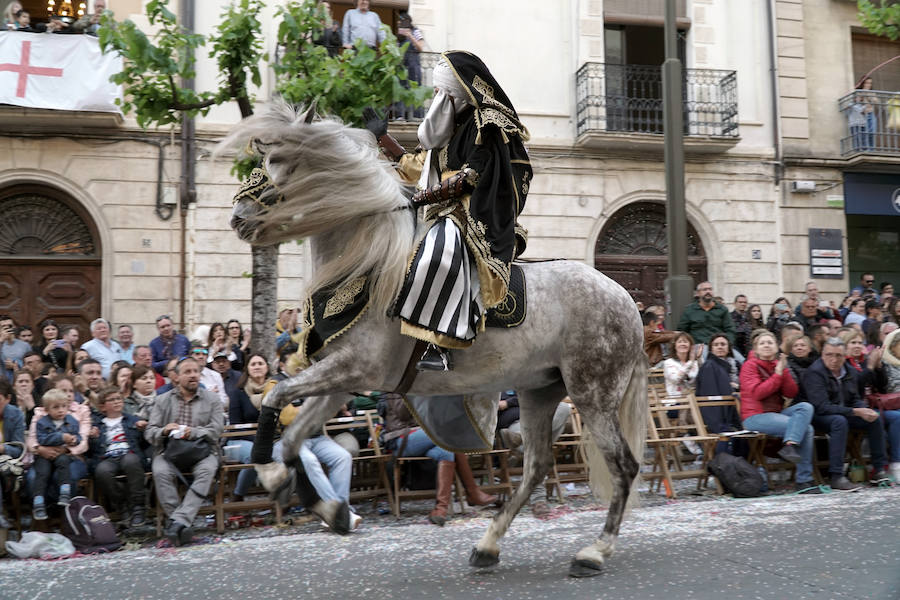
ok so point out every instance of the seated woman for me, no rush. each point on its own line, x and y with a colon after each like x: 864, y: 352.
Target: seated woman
x: 779, y: 315
x: 886, y: 361
x: 856, y: 359
x: 403, y: 437
x: 52, y: 349
x: 244, y: 408
x: 12, y: 428
x: 120, y: 376
x: 720, y: 376
x: 118, y: 450
x: 764, y: 382
x: 140, y: 401
x: 238, y: 341
x: 23, y: 394
x: 755, y: 317
x: 800, y: 355
x: 218, y: 342
x: 681, y: 371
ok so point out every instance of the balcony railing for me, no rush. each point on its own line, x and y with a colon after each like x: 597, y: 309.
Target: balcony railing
x: 628, y: 98
x: 872, y: 122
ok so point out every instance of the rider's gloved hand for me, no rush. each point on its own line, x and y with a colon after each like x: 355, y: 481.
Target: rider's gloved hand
x: 375, y: 123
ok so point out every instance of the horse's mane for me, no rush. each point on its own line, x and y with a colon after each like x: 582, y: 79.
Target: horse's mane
x: 339, y: 193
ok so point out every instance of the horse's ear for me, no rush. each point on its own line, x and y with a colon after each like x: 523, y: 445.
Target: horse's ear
x: 309, y: 114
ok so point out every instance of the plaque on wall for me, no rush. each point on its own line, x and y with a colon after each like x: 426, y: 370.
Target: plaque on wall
x: 826, y: 254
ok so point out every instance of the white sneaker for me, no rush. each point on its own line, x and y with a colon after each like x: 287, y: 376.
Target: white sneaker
x: 355, y: 520
x: 895, y: 471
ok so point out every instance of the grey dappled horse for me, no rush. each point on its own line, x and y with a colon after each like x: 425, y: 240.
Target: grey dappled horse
x: 582, y: 336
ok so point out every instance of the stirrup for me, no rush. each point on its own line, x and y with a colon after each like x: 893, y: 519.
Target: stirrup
x: 435, y: 358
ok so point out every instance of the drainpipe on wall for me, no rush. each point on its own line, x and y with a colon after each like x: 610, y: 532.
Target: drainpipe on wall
x: 776, y: 92
x: 188, y: 191
x: 776, y: 135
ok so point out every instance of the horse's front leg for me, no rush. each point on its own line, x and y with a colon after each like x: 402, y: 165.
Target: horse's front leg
x: 338, y: 372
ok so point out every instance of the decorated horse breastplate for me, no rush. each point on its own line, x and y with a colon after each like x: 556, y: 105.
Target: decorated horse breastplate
x: 327, y: 314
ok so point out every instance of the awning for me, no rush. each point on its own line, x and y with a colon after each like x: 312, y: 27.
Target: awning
x: 872, y: 194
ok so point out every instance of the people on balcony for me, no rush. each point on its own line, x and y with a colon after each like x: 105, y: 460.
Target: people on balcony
x: 861, y: 117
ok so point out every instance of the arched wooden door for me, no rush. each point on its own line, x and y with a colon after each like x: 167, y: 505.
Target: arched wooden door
x: 633, y: 250
x: 49, y: 259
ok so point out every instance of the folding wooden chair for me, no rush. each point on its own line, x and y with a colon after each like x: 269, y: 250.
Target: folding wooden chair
x: 369, y: 480
x: 754, y: 439
x: 570, y: 463
x: 665, y: 436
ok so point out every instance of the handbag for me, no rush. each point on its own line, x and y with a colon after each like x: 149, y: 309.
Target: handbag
x: 12, y: 468
x: 884, y: 401
x: 184, y: 454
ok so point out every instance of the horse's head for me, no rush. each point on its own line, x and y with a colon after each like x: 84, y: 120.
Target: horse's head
x: 260, y: 193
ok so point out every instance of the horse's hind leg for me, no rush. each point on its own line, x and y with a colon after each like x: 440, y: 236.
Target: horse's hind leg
x: 536, y: 416
x: 623, y: 468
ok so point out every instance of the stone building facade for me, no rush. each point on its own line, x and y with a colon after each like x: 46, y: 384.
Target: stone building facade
x: 584, y: 79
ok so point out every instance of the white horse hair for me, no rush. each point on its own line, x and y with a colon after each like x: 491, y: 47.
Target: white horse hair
x: 582, y: 336
x: 338, y: 195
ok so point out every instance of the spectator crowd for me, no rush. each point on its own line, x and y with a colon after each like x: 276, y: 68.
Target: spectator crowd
x: 818, y: 368
x: 111, y: 410
x: 17, y: 18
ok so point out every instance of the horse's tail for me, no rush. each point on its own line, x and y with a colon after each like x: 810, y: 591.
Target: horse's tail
x: 633, y: 413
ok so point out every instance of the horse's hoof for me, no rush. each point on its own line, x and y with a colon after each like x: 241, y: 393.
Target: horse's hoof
x: 584, y: 568
x: 282, y: 494
x: 341, y: 523
x: 482, y: 560
x: 272, y: 475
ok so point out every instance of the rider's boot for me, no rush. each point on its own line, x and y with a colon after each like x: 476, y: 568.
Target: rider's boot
x: 435, y: 358
x: 445, y: 473
x: 474, y: 495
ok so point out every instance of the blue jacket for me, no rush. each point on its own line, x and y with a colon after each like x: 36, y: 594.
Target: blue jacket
x: 13, y: 430
x: 48, y: 435
x: 180, y: 347
x: 134, y: 436
x: 831, y: 396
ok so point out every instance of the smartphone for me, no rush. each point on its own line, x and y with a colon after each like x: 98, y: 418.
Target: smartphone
x: 823, y: 304
x: 59, y: 343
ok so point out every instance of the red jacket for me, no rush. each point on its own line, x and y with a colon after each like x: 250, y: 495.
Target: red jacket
x: 763, y: 393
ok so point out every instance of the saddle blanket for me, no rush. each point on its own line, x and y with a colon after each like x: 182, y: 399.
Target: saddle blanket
x: 510, y: 312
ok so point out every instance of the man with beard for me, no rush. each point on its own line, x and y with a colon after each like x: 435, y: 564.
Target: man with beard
x: 704, y: 317
x: 187, y: 412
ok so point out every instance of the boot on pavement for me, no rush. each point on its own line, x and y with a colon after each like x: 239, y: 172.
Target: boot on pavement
x: 474, y: 495
x: 445, y: 475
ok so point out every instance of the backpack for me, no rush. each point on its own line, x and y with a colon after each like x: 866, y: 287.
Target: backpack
x: 89, y: 527
x: 736, y: 475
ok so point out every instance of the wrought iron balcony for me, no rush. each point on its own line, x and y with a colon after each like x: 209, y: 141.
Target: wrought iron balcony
x: 872, y: 123
x: 629, y: 99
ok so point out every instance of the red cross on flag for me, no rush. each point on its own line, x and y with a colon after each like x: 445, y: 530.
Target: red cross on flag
x: 63, y: 72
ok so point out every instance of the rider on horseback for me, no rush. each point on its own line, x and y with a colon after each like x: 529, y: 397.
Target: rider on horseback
x: 473, y: 172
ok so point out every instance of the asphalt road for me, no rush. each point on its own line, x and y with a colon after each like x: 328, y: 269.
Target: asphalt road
x: 837, y: 546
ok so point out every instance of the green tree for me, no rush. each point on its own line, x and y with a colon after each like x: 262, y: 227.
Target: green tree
x: 342, y: 85
x: 881, y: 18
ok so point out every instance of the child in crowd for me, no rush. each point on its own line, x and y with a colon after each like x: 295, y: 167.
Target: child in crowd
x: 117, y: 451
x: 56, y: 428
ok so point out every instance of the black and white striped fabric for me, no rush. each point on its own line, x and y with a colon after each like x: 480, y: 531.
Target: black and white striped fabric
x: 442, y: 292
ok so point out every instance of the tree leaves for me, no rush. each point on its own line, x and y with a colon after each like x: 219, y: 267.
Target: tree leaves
x: 342, y: 85
x: 881, y: 19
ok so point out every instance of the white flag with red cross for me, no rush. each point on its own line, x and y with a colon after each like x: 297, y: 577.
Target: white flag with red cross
x: 57, y: 71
